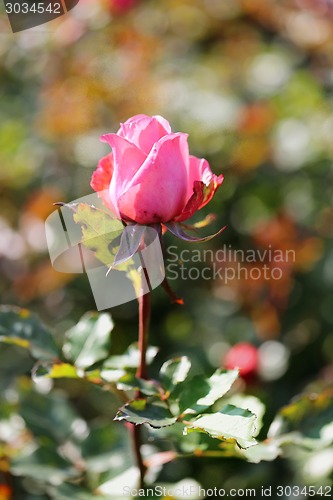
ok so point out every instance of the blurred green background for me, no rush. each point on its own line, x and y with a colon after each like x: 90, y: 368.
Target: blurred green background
x: 251, y: 82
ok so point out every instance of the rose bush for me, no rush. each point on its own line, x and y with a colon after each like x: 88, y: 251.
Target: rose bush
x: 150, y: 177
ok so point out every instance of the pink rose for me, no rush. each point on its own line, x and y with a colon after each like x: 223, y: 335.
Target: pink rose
x: 150, y: 177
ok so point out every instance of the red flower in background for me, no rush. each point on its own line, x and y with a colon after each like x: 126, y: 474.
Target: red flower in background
x: 122, y: 6
x: 243, y: 356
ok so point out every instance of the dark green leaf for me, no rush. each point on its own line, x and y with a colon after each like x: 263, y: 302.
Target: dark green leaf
x: 20, y: 327
x: 45, y: 465
x: 200, y: 393
x: 230, y: 423
x: 154, y: 413
x: 130, y: 359
x: 48, y: 415
x: 89, y: 340
x: 249, y: 402
x: 57, y: 370
x: 310, y: 417
x: 131, y: 382
x: 106, y: 448
x: 174, y: 371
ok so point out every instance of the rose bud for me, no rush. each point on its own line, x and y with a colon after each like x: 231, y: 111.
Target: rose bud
x: 150, y: 177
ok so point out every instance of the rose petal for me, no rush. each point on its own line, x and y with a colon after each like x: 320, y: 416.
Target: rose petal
x: 137, y: 118
x: 101, y: 179
x: 127, y: 161
x: 202, y: 194
x: 157, y: 192
x: 144, y: 131
x: 199, y: 170
x: 202, y: 184
x: 102, y: 176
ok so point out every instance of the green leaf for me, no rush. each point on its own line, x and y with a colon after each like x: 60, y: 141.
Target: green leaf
x: 111, y: 375
x: 230, y: 423
x: 174, y: 371
x: 131, y: 382
x: 266, y: 451
x: 44, y: 465
x: 57, y: 370
x: 48, y: 416
x: 251, y: 403
x: 100, y: 233
x: 309, y: 417
x: 114, y: 487
x: 107, y: 448
x: 130, y: 359
x: 140, y: 411
x: 89, y: 340
x: 200, y: 393
x: 20, y: 327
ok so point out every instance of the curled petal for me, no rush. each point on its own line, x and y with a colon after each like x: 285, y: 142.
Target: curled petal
x: 144, y: 131
x: 157, y: 192
x: 210, y: 189
x: 199, y: 170
x: 202, y: 194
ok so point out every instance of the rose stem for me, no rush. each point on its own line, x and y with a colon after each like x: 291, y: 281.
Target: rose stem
x: 144, y: 320
x: 137, y: 442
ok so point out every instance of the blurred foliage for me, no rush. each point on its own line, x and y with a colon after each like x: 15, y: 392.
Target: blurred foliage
x: 251, y: 82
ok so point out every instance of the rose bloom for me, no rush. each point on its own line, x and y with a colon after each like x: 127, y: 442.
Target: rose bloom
x: 150, y: 177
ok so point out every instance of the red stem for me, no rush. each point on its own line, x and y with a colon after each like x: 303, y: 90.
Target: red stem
x: 144, y: 320
x: 137, y: 442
